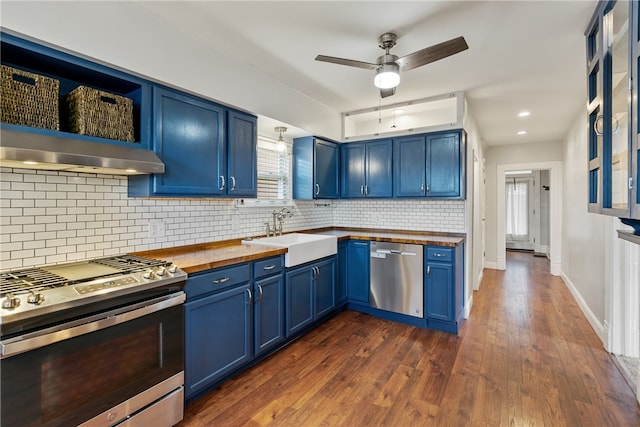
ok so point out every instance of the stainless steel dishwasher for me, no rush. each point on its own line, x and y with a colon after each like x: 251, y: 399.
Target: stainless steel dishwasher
x: 397, y: 281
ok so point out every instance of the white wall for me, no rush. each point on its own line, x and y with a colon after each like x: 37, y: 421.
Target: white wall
x: 127, y: 35
x: 507, y: 154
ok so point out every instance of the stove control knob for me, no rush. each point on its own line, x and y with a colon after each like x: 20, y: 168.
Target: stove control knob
x: 173, y: 268
x: 148, y: 274
x: 161, y: 271
x: 10, y: 302
x: 35, y: 298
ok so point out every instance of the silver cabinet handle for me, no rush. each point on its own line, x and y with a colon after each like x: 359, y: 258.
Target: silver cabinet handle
x: 260, y: 289
x: 439, y: 254
x: 366, y: 190
x: 427, y: 187
x: 317, y: 189
x: 250, y: 297
x: 221, y: 280
x: 428, y: 271
x: 233, y: 183
x: 422, y: 188
x: 362, y: 190
x: 270, y: 267
x: 221, y: 183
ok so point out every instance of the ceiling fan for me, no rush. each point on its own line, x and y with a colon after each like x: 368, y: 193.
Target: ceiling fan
x: 388, y: 66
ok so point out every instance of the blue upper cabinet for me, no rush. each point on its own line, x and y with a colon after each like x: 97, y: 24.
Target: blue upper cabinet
x: 430, y: 165
x: 26, y: 57
x: 409, y: 166
x: 367, y: 169
x: 207, y: 150
x: 315, y: 169
x: 188, y: 136
x: 444, y: 166
x: 242, y: 160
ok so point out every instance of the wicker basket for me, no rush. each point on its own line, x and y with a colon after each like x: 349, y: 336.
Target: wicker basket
x: 29, y: 99
x: 103, y: 114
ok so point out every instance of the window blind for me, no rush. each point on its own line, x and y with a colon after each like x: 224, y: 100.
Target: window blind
x: 273, y: 172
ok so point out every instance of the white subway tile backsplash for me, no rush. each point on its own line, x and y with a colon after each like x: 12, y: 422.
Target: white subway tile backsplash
x: 52, y: 217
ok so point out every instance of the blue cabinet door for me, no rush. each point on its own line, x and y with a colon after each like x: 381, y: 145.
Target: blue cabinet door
x: 300, y: 299
x: 358, y: 271
x: 341, y: 280
x: 188, y: 136
x: 268, y: 313
x: 352, y: 160
x: 326, y: 170
x: 409, y: 166
x: 242, y: 138
x: 379, y: 169
x: 316, y: 169
x: 325, y: 279
x: 439, y: 293
x: 218, y: 336
x: 444, y: 165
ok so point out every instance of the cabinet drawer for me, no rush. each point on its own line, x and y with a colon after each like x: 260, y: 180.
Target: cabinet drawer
x: 440, y: 254
x: 217, y: 279
x: 267, y: 267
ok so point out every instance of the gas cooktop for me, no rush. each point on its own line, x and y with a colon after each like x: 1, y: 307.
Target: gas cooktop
x: 34, y: 291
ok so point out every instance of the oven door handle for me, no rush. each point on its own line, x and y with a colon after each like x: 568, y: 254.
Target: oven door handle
x: 35, y: 340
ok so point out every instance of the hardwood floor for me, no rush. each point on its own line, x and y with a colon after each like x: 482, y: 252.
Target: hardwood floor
x: 526, y: 357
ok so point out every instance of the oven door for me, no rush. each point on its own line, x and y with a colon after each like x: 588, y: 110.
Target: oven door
x: 81, y: 370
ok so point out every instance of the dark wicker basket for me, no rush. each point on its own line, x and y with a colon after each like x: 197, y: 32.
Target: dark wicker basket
x: 29, y: 99
x: 98, y: 113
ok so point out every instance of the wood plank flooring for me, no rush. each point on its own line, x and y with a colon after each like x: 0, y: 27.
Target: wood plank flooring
x: 526, y: 357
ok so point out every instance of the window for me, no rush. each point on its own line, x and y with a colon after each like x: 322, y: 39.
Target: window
x: 517, y: 201
x: 273, y: 172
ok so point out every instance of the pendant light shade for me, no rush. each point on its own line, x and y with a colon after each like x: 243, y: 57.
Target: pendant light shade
x: 388, y: 76
x: 281, y: 145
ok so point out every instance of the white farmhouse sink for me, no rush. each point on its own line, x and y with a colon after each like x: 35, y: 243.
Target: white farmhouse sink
x: 301, y: 247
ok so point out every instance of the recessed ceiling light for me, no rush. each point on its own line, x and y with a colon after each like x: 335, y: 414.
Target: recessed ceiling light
x: 522, y: 132
x: 523, y: 114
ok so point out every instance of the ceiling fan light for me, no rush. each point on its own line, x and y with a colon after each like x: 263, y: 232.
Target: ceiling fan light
x: 387, y: 76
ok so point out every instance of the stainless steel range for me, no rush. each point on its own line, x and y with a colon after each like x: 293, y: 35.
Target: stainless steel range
x: 97, y: 342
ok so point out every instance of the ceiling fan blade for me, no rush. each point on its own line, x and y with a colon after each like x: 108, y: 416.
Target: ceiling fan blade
x: 387, y: 92
x: 349, y: 62
x: 432, y: 53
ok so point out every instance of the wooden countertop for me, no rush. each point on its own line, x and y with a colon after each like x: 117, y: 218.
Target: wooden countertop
x: 200, y: 257
x: 196, y: 258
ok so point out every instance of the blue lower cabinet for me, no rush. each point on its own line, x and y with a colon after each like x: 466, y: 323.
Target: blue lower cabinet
x: 325, y: 280
x: 444, y: 287
x: 358, y: 271
x: 268, y: 313
x: 310, y: 293
x: 341, y: 280
x: 299, y: 292
x: 218, y: 336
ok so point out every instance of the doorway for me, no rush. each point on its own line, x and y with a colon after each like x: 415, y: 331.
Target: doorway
x: 555, y: 211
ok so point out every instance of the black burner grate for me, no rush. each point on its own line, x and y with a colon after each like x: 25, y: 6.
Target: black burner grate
x: 24, y: 281
x: 131, y: 263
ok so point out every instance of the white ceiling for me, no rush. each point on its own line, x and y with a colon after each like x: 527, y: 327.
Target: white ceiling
x: 523, y: 55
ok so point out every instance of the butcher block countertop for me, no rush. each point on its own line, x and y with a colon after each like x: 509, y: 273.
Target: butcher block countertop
x: 205, y: 256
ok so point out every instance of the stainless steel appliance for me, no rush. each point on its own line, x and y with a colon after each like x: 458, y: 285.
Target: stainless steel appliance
x: 92, y: 343
x: 397, y: 281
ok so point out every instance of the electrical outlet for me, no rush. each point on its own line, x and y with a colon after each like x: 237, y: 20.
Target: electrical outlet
x: 157, y: 228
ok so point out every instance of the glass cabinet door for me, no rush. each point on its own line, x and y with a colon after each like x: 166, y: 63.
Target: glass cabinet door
x: 616, y: 131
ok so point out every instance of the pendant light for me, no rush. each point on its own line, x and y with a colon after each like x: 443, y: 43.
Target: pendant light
x: 281, y: 145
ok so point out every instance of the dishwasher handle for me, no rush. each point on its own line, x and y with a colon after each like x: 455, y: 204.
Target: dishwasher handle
x: 392, y: 252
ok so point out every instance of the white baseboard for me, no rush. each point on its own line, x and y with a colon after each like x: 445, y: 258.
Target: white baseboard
x: 490, y: 265
x: 467, y: 307
x: 556, y: 269
x: 476, y: 285
x: 598, y: 327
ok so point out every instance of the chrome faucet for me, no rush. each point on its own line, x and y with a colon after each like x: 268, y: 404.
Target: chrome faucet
x: 279, y: 217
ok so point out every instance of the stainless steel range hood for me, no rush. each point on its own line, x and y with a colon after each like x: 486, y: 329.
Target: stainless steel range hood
x: 27, y: 150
